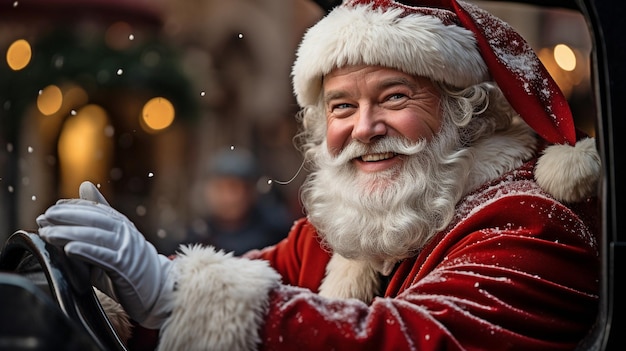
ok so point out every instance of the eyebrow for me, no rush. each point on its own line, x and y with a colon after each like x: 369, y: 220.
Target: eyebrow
x: 332, y: 95
x: 386, y: 83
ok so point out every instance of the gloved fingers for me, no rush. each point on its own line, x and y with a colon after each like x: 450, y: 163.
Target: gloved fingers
x: 98, y: 256
x: 82, y: 202
x: 73, y: 201
x: 83, y: 213
x: 42, y: 221
x: 63, y: 235
x: 95, y: 206
x: 88, y: 191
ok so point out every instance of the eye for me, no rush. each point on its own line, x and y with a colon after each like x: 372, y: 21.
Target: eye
x: 340, y: 106
x: 396, y: 96
x: 340, y: 109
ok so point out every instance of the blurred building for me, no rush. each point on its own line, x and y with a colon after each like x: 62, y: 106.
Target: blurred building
x: 131, y: 94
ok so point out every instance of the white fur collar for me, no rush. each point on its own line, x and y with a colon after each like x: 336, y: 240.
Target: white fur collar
x: 347, y: 278
x: 500, y: 153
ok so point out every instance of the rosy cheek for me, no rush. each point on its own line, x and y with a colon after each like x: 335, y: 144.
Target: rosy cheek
x: 336, y: 138
x: 422, y: 129
x: 333, y: 148
x: 423, y: 133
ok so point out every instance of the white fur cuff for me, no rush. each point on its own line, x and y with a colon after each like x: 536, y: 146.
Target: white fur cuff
x: 219, y: 302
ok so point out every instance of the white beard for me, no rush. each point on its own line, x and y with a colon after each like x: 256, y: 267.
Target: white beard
x: 386, y: 216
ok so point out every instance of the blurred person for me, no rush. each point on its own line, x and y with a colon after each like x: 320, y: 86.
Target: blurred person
x: 238, y: 217
x: 450, y: 204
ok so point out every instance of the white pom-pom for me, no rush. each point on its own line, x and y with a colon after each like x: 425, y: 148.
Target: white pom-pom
x: 569, y: 173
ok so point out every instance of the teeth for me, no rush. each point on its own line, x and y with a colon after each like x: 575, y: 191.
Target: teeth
x: 377, y: 157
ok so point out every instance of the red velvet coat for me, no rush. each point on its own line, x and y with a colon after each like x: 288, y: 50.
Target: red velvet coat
x: 515, y: 270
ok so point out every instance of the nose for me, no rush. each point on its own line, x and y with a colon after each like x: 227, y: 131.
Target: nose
x: 368, y: 126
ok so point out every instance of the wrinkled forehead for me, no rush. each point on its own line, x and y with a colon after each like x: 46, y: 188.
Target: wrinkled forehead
x: 373, y: 76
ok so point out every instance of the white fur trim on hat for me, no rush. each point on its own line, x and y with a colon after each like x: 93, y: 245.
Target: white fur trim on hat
x: 569, y: 173
x: 413, y: 43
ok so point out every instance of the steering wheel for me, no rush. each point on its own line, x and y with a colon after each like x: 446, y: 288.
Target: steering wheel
x: 65, y: 280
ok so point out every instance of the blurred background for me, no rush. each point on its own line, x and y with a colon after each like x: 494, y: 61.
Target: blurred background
x: 140, y: 96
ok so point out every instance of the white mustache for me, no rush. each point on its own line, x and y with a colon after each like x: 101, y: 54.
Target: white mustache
x: 396, y: 145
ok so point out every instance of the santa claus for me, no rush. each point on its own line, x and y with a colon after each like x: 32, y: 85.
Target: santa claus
x: 449, y: 206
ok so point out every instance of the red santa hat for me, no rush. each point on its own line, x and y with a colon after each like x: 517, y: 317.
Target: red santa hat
x: 458, y: 44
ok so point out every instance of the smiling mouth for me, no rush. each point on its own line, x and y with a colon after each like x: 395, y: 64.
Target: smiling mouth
x: 377, y: 157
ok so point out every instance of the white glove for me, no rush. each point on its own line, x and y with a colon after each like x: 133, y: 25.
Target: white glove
x: 100, y: 235
x: 88, y: 191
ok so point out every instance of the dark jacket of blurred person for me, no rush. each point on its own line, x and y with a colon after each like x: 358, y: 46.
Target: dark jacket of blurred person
x: 239, y: 216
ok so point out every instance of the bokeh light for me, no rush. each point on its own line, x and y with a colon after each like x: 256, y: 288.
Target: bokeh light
x: 157, y: 114
x: 19, y: 54
x: 50, y: 100
x: 565, y: 57
x: 84, y: 150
